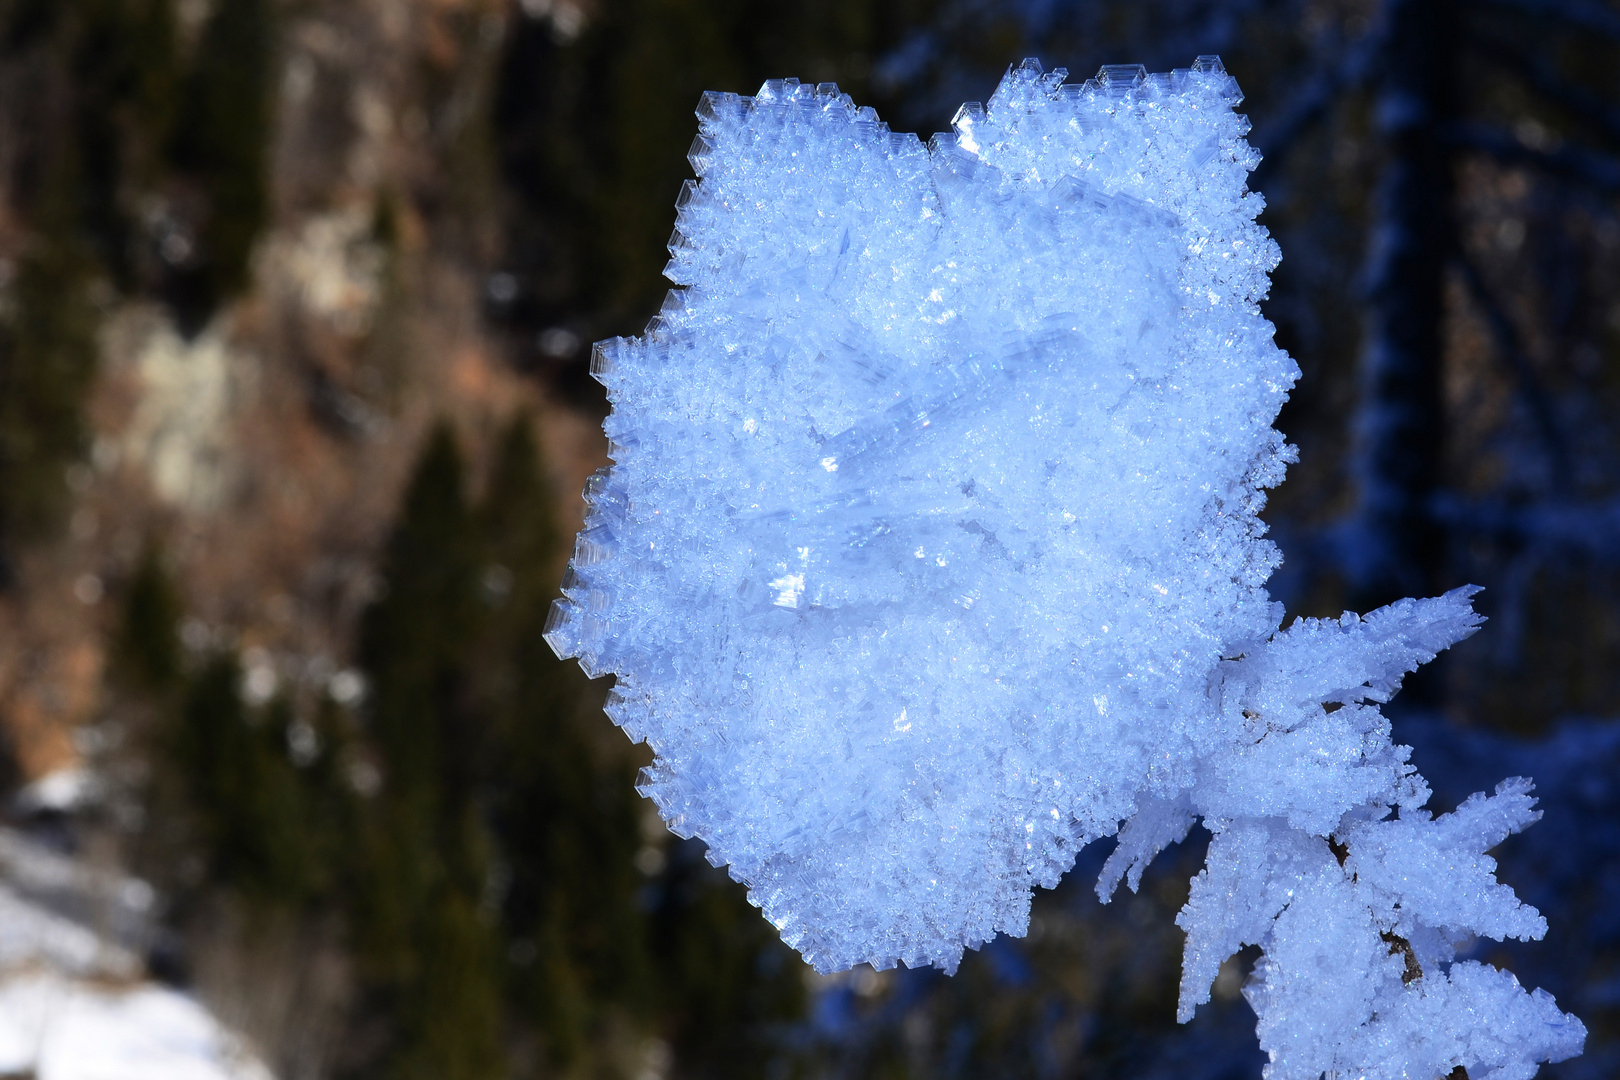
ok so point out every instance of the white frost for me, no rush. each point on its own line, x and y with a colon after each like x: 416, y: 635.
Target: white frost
x: 931, y: 553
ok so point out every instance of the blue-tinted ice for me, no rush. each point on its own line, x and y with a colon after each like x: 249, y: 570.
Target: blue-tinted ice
x: 931, y: 553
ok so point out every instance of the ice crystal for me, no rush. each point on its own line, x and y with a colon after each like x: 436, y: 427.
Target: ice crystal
x: 931, y: 553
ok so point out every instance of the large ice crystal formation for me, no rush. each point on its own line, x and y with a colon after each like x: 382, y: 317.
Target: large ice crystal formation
x: 931, y: 553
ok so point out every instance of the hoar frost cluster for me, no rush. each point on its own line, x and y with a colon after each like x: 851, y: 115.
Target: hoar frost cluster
x: 931, y: 553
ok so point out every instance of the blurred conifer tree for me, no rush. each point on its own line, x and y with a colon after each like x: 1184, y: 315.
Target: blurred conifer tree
x: 144, y: 655
x: 90, y: 99
x: 257, y: 823
x: 125, y: 77
x: 244, y: 792
x: 428, y: 950
x: 221, y: 144
x: 47, y: 361
x: 565, y: 813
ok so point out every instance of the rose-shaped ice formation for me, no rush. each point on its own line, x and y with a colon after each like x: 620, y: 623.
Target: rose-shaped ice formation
x: 935, y: 492
x: 931, y: 552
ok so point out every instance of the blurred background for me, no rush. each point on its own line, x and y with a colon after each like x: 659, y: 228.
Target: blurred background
x: 296, y: 303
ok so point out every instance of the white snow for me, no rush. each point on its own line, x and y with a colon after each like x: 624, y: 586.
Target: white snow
x: 74, y: 1006
x: 70, y: 1029
x: 120, y: 907
x: 32, y: 938
x: 61, y: 790
x: 931, y: 552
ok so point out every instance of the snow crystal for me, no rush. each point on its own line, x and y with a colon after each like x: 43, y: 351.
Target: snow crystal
x: 931, y: 553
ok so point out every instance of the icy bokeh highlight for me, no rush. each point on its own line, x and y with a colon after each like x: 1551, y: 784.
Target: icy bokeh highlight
x: 931, y: 553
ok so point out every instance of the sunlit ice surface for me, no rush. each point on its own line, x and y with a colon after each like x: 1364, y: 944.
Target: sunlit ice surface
x: 931, y: 552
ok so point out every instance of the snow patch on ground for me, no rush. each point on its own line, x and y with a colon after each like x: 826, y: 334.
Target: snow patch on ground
x: 74, y: 1005
x: 59, y: 1027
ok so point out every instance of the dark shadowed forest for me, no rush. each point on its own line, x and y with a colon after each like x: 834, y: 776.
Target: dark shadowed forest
x: 296, y: 306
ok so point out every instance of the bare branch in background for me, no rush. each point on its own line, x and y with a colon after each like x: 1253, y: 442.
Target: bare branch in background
x: 1510, y: 350
x: 1588, y: 167
x: 1577, y: 14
